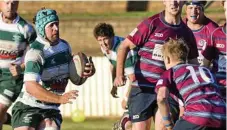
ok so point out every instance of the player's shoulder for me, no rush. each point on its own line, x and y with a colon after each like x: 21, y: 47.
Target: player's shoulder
x: 116, y: 42
x: 210, y: 24
x: 22, y: 22
x: 179, y: 67
x: 35, y: 52
x: 217, y: 31
x: 64, y: 43
x: 153, y: 19
x: 36, y: 45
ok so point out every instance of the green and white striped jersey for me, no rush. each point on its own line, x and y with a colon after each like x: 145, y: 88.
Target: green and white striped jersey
x: 13, y: 41
x: 49, y: 66
x: 130, y: 59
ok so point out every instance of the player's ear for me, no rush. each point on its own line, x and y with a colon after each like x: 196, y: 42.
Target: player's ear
x: 168, y: 60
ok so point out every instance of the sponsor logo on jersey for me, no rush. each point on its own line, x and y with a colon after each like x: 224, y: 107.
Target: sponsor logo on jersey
x: 8, y: 53
x: 220, y: 45
x: 202, y: 42
x: 158, y: 35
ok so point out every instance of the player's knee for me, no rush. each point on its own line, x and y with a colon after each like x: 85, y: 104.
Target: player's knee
x: 128, y: 125
x: 50, y: 128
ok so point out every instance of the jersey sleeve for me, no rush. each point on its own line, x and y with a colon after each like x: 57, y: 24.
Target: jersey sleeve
x: 163, y: 81
x: 209, y: 50
x: 33, y: 65
x: 193, y: 50
x: 141, y: 33
x: 30, y: 33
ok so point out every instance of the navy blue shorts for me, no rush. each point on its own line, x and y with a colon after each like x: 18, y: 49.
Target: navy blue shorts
x: 182, y: 124
x: 143, y: 104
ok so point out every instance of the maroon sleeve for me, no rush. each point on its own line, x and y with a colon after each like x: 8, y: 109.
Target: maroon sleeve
x: 209, y: 50
x: 141, y: 33
x: 193, y: 50
x: 163, y: 81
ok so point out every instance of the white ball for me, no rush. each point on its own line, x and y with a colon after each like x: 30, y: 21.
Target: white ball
x: 77, y: 67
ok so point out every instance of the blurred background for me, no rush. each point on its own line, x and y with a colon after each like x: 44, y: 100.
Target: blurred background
x: 77, y: 20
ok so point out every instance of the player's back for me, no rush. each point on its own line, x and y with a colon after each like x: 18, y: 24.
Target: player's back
x: 203, y: 103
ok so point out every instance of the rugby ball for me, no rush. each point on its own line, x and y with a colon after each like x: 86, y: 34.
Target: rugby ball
x: 77, y: 67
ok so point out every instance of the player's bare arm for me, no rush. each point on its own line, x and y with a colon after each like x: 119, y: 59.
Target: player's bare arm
x: 121, y: 56
x: 163, y: 106
x: 36, y: 90
x: 113, y: 91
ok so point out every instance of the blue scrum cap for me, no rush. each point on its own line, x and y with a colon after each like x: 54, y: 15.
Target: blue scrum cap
x: 43, y: 17
x: 196, y: 2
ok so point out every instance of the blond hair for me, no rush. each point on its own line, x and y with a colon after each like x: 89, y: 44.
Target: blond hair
x: 176, y: 49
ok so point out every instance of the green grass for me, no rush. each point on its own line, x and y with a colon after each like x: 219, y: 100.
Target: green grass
x: 88, y: 124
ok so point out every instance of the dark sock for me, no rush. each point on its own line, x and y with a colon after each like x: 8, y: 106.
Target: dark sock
x: 8, y: 121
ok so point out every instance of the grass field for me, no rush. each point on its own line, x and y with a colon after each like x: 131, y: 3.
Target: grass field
x: 88, y: 124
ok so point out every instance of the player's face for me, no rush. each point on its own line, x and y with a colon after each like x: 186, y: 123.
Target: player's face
x: 105, y: 42
x: 52, y: 32
x: 9, y: 8
x: 173, y: 7
x: 194, y: 13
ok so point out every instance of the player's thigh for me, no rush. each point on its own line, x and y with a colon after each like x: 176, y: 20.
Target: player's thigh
x: 24, y: 128
x: 142, y: 104
x: 25, y: 116
x: 52, y: 120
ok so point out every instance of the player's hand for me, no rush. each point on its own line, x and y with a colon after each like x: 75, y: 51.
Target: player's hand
x: 119, y: 81
x: 68, y: 97
x: 114, y: 92
x: 89, y: 69
x: 15, y: 70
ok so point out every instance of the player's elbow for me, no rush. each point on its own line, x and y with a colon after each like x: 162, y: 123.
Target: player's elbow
x: 29, y: 86
x: 161, y: 99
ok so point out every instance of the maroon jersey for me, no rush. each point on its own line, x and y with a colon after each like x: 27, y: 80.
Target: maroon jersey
x: 196, y: 87
x: 216, y: 52
x: 149, y: 37
x: 202, y: 35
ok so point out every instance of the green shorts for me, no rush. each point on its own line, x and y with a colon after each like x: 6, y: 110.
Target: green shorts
x: 25, y: 115
x: 10, y: 87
